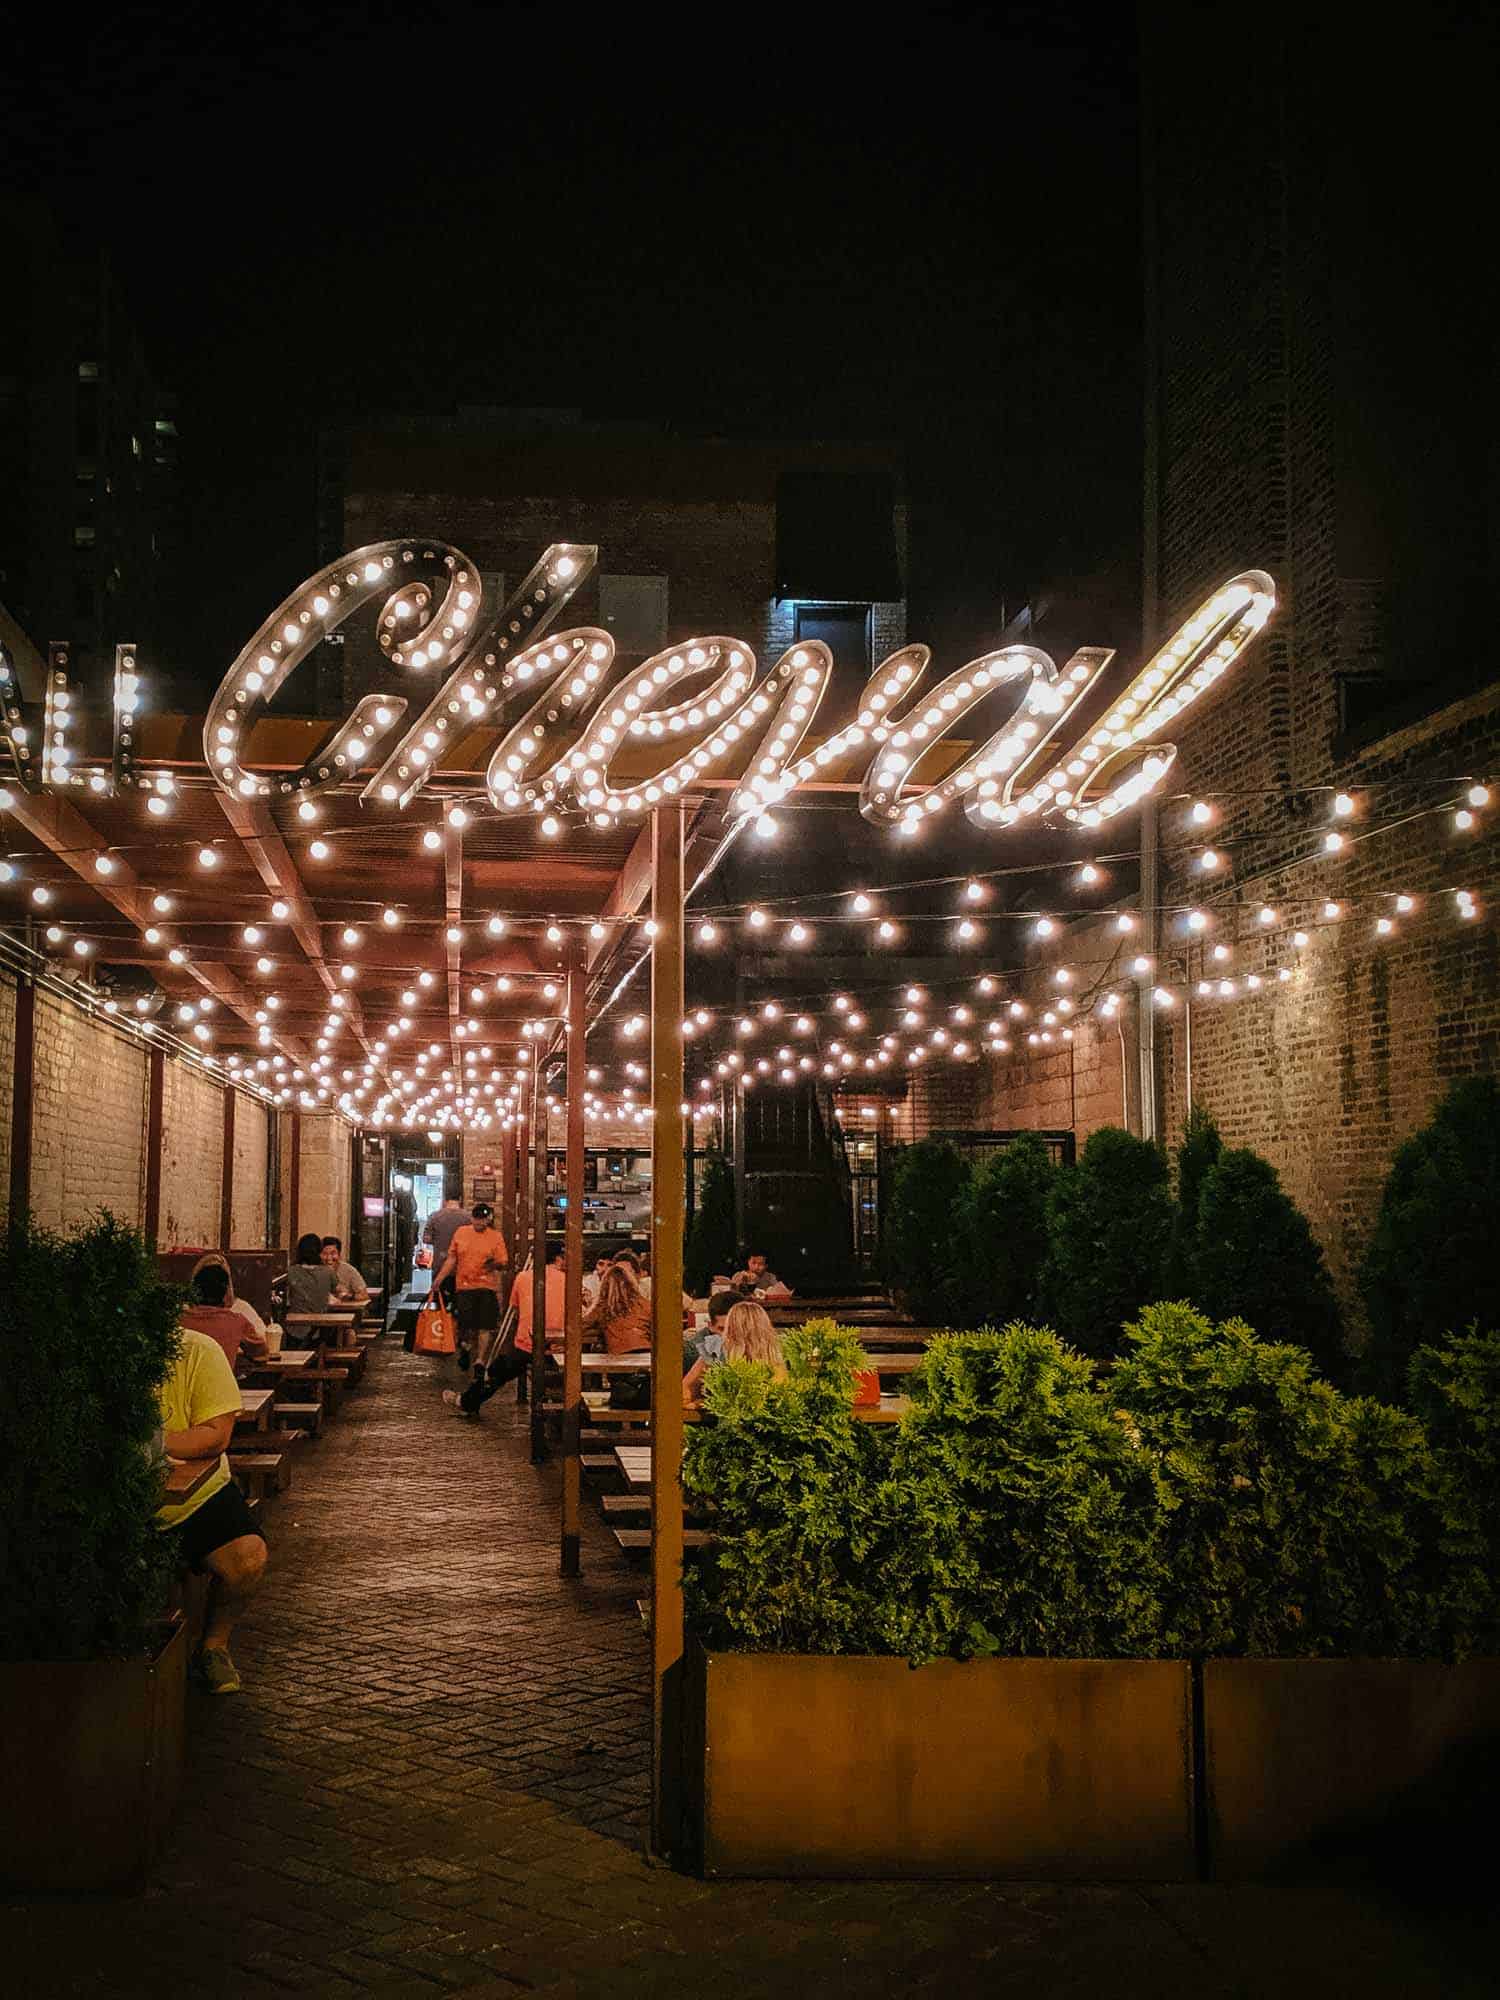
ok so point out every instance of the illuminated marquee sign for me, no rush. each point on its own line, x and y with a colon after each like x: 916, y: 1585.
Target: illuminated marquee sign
x: 568, y: 708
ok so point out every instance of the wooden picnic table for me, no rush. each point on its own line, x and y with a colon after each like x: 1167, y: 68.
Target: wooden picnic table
x: 256, y: 1406
x: 290, y: 1361
x: 640, y: 1364
x: 185, y: 1476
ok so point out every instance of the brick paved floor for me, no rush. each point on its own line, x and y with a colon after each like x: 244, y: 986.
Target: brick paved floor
x: 435, y: 1779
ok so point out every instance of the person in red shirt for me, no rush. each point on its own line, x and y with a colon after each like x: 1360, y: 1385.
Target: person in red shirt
x: 516, y: 1360
x: 210, y: 1313
x: 477, y: 1258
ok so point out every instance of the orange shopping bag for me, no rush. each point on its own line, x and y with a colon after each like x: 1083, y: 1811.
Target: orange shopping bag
x: 434, y: 1330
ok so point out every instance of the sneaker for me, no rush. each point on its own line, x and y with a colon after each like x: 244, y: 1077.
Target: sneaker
x: 216, y: 1672
x: 455, y: 1403
x: 463, y: 1360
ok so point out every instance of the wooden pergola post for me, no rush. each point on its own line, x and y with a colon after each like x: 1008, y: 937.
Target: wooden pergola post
x: 508, y: 1188
x: 538, y: 1259
x: 156, y: 1071
x: 572, y: 1425
x: 226, y: 1170
x: 667, y: 1195
x: 23, y: 1057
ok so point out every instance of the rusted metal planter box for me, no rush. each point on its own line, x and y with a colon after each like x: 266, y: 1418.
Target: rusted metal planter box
x: 1304, y: 1756
x: 91, y: 1757
x: 810, y: 1765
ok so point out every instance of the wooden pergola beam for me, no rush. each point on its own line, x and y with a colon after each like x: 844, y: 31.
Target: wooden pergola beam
x: 59, y: 826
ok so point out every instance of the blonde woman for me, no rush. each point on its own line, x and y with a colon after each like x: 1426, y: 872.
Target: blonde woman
x: 749, y: 1335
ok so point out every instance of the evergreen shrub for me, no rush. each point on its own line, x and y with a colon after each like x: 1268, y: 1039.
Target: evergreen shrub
x: 1004, y: 1233
x: 1109, y: 1224
x: 1199, y: 1150
x: 1454, y: 1388
x: 1256, y: 1259
x: 925, y: 1249
x: 711, y: 1249
x: 89, y: 1333
x: 1431, y: 1265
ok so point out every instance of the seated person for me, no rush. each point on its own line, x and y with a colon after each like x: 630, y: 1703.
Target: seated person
x: 630, y: 1261
x: 211, y: 1313
x: 234, y: 1302
x: 764, y: 1281
x: 719, y: 1306
x: 309, y: 1281
x: 347, y: 1282
x: 748, y: 1336
x: 215, y: 1530
x: 592, y: 1279
x: 620, y: 1317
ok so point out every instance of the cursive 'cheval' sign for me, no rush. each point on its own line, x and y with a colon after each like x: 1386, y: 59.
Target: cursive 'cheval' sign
x: 567, y: 707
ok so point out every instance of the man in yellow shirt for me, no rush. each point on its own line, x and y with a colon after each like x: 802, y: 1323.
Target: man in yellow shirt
x: 215, y: 1530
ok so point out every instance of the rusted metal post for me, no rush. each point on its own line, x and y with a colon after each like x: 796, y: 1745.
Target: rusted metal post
x: 156, y: 1077
x: 538, y: 1260
x: 667, y: 1194
x: 508, y: 1188
x: 226, y: 1171
x: 573, y: 1263
x: 23, y: 1072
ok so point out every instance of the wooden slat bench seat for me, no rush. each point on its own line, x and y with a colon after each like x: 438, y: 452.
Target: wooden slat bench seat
x: 307, y: 1416
x: 640, y: 1538
x: 261, y: 1471
x: 597, y: 1461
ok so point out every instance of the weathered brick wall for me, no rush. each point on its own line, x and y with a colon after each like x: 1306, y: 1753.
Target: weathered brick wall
x: 247, y: 1206
x: 192, y: 1157
x: 324, y: 1204
x: 1328, y: 1073
x: 88, y: 1118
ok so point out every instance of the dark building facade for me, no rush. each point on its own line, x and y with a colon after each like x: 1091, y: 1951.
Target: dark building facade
x: 769, y: 541
x: 91, y: 518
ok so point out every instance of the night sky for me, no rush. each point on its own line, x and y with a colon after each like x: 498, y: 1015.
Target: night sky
x: 804, y: 222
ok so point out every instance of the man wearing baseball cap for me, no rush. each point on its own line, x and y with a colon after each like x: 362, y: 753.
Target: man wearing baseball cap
x: 477, y: 1256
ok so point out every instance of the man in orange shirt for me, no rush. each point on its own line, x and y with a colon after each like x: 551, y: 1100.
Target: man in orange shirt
x: 477, y: 1257
x: 505, y: 1368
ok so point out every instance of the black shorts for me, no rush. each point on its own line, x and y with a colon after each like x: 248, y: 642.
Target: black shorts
x: 224, y: 1518
x: 477, y: 1312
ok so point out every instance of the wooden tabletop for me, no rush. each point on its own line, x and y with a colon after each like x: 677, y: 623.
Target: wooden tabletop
x: 255, y: 1406
x: 185, y: 1476
x: 640, y: 1364
x: 344, y: 1318
x: 289, y: 1360
x: 635, y: 1459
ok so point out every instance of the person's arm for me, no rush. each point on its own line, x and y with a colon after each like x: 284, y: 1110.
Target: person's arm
x: 254, y: 1344
x: 427, y: 1235
x: 449, y: 1263
x: 206, y: 1440
x: 692, y: 1385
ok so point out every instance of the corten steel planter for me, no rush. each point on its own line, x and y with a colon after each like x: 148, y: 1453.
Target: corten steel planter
x: 827, y: 1766
x: 1305, y: 1759
x: 91, y: 1756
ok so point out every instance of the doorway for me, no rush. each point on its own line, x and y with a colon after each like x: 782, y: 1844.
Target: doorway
x: 422, y: 1175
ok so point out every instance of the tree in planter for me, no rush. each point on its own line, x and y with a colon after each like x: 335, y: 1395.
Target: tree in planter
x: 1109, y: 1222
x: 790, y: 1473
x: 1454, y: 1387
x: 1295, y: 1521
x: 1028, y: 1512
x: 711, y: 1247
x: 1430, y: 1266
x: 923, y: 1250
x: 90, y: 1333
x: 1004, y: 1233
x: 1199, y: 1151
x: 1257, y: 1260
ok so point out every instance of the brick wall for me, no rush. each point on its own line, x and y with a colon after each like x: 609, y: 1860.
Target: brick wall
x: 192, y: 1157
x: 247, y: 1207
x: 324, y: 1199
x: 88, y: 1118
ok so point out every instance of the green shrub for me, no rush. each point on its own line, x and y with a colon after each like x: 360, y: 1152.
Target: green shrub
x: 791, y: 1475
x: 1004, y: 1233
x: 1109, y: 1223
x: 711, y: 1247
x: 924, y: 1232
x: 1454, y: 1387
x: 89, y: 1335
x: 1200, y: 1149
x: 1257, y: 1260
x: 1029, y: 1516
x: 1431, y: 1262
x: 1294, y: 1521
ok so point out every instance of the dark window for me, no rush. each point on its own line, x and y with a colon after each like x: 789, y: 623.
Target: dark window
x: 843, y: 628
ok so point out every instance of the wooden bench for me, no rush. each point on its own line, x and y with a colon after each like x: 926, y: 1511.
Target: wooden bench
x: 597, y: 1461
x: 261, y: 1472
x: 308, y: 1417
x: 640, y: 1538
